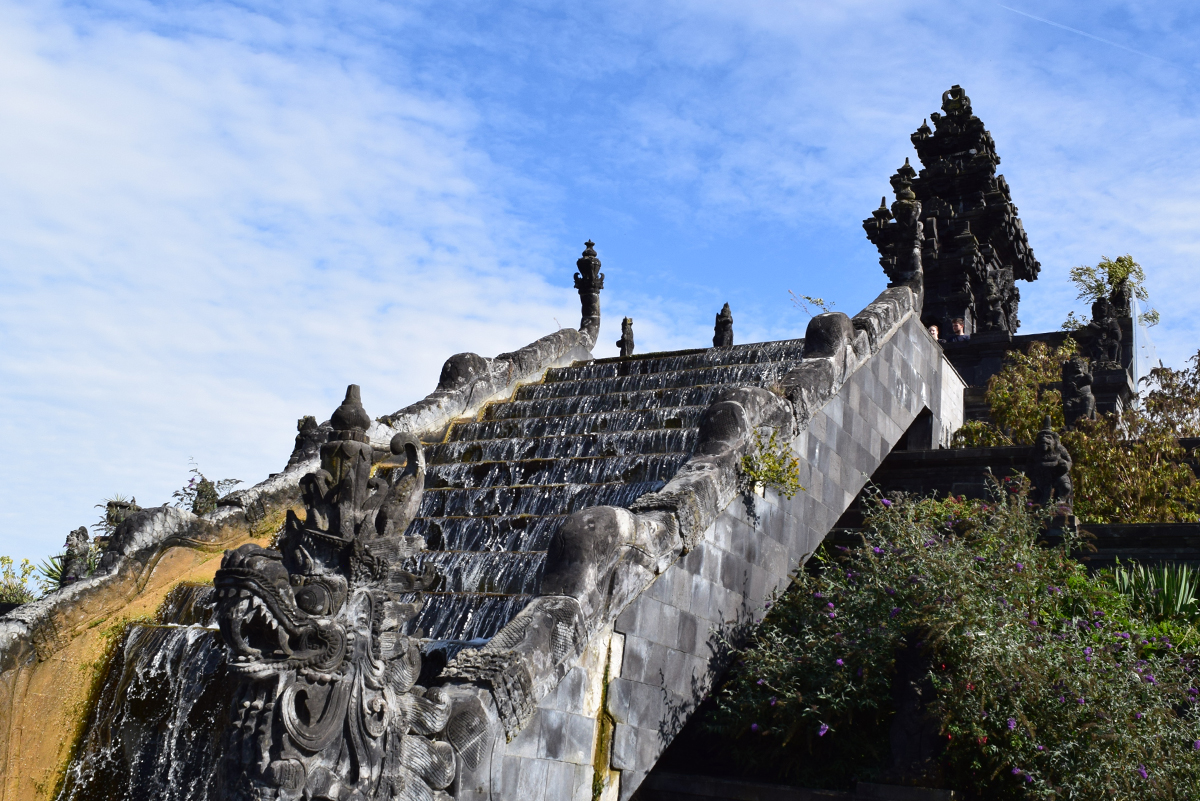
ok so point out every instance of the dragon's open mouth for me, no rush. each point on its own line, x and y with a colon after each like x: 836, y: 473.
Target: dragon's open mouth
x: 264, y: 626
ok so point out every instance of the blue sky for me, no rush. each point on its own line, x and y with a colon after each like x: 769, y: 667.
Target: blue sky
x: 214, y: 216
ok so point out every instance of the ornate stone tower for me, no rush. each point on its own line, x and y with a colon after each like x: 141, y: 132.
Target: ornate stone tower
x: 957, y: 215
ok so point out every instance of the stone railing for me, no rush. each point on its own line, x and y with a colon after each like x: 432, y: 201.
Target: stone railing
x: 603, y: 557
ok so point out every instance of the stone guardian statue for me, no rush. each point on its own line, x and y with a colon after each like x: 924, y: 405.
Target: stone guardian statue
x: 1078, y: 401
x: 625, y: 343
x: 1049, y: 470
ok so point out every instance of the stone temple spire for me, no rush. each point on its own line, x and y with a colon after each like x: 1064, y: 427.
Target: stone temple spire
x: 972, y: 247
x: 589, y: 281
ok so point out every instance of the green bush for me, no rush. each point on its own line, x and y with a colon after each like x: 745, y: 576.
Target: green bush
x: 13, y: 586
x: 772, y: 464
x: 1048, y: 683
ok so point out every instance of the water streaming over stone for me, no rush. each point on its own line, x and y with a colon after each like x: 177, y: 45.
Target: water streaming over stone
x: 497, y: 489
x: 161, y: 712
x: 602, y: 433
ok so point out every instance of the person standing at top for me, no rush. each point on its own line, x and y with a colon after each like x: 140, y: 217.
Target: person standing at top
x: 958, y: 331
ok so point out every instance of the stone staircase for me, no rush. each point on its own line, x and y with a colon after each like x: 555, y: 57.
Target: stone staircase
x: 594, y: 433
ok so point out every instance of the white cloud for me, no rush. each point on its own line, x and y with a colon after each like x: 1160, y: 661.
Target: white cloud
x: 201, y: 241
x: 214, y: 218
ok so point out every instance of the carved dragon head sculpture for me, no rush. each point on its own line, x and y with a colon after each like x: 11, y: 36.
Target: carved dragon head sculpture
x: 327, y: 705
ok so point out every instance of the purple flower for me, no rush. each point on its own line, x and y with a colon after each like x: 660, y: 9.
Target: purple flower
x: 895, y: 611
x: 1137, y: 715
x: 772, y: 700
x: 1041, y: 748
x: 753, y: 727
x: 1081, y: 700
x: 761, y: 682
x: 821, y: 731
x: 890, y: 591
x: 1196, y: 745
x: 1012, y: 724
x: 840, y: 663
x: 1143, y: 772
x: 1020, y: 567
x: 1016, y: 771
x: 1087, y: 651
x: 1149, y: 677
x: 829, y: 605
x: 886, y: 502
x: 877, y: 549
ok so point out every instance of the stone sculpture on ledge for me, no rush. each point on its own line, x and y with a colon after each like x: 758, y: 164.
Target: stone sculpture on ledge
x: 75, y: 560
x: 1078, y: 401
x: 1049, y: 470
x: 1104, y: 335
x: 723, y: 330
x: 327, y: 704
x: 625, y: 343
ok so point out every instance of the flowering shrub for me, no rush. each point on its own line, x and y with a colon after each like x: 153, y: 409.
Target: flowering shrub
x: 772, y: 464
x: 13, y: 586
x: 1046, y: 682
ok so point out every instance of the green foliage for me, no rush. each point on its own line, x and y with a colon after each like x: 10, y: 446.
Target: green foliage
x: 1128, y: 468
x: 116, y: 509
x: 773, y: 465
x: 1018, y: 399
x: 1048, y: 683
x: 1073, y: 323
x: 13, y: 586
x: 200, y: 495
x: 50, y: 573
x: 1160, y: 592
x: 1095, y: 283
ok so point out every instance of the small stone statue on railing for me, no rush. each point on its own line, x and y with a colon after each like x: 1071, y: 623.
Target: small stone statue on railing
x: 75, y: 560
x: 625, y: 343
x: 1078, y: 401
x: 723, y: 331
x: 1049, y: 470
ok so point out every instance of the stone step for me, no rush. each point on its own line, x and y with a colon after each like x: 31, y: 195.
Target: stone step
x: 492, y: 533
x: 586, y: 470
x: 645, y: 364
x: 617, y: 443
x: 617, y: 401
x: 531, y: 500
x: 679, y: 417
x: 752, y: 374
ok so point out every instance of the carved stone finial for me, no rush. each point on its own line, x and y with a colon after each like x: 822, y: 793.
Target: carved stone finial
x: 625, y: 343
x: 955, y: 101
x: 901, y: 243
x: 723, y: 331
x: 1078, y: 401
x: 589, y: 281
x: 1049, y: 469
x: 350, y: 420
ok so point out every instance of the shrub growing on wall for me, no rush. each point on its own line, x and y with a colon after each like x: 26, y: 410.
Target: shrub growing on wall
x: 1047, y: 683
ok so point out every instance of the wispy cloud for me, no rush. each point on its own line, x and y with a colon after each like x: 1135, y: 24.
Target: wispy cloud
x: 215, y: 217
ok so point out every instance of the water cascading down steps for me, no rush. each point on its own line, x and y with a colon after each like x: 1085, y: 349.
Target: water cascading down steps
x: 596, y: 433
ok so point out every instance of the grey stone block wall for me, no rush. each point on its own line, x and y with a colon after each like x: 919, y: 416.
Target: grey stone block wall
x: 664, y: 650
